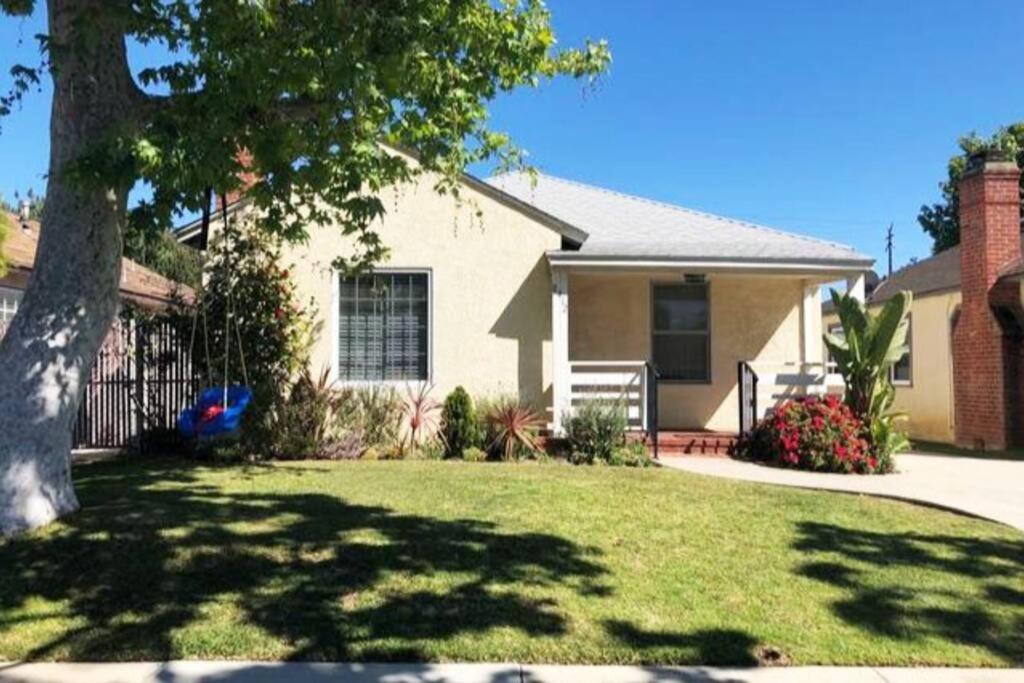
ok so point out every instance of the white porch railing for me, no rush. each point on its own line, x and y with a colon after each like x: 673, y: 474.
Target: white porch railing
x: 768, y: 384
x: 626, y: 381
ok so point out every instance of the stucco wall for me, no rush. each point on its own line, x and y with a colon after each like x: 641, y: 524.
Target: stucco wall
x: 928, y: 399
x: 752, y: 318
x: 490, y: 325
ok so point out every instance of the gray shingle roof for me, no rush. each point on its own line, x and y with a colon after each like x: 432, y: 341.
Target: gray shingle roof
x: 628, y: 227
x: 935, y: 274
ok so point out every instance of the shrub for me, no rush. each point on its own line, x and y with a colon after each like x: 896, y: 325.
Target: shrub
x: 595, y: 430
x: 631, y: 455
x: 460, y: 429
x: 274, y: 329
x: 430, y: 449
x: 512, y: 428
x: 312, y: 421
x: 815, y: 434
x: 473, y: 454
x: 377, y: 412
x: 419, y: 411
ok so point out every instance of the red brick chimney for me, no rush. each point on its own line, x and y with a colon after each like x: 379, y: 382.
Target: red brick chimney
x: 247, y: 178
x: 987, y: 358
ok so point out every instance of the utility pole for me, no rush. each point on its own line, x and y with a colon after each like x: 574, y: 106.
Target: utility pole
x: 888, y: 247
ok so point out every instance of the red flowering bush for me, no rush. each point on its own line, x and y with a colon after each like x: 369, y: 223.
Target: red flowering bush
x: 821, y: 435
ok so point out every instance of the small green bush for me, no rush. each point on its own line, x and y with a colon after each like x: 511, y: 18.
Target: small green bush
x: 595, y: 430
x: 631, y: 455
x: 460, y: 428
x: 428, y: 449
x: 473, y: 454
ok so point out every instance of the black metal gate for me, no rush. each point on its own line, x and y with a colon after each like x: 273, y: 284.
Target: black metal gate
x: 142, y: 378
x: 748, y: 397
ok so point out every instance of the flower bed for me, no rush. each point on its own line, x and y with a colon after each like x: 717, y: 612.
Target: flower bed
x: 820, y: 435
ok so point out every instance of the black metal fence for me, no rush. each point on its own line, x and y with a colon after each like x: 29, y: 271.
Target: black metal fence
x: 142, y: 378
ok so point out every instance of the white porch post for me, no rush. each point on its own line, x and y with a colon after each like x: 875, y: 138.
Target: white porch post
x: 560, y: 383
x: 855, y: 287
x: 810, y: 325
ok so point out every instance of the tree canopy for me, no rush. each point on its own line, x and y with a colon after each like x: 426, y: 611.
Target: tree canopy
x: 309, y: 90
x: 942, y: 220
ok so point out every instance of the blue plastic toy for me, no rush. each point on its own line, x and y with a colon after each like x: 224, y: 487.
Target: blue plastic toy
x: 209, y: 416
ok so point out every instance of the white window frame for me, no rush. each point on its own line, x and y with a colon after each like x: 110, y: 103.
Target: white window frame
x: 708, y: 356
x: 8, y: 294
x: 336, y: 330
x: 830, y: 362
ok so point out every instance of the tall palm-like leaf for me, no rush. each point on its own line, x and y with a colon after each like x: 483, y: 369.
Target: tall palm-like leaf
x: 871, y: 344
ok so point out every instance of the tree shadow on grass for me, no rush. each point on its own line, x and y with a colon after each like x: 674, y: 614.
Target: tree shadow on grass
x: 986, y: 612
x: 711, y: 646
x: 154, y: 550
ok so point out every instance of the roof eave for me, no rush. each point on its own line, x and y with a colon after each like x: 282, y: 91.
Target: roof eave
x: 569, y: 259
x: 566, y: 230
x: 190, y: 230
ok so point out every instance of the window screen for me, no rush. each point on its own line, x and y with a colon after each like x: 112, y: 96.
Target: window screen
x: 901, y: 371
x: 383, y: 327
x: 681, y: 336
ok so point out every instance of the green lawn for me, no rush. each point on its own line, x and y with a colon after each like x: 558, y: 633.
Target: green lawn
x: 487, y: 562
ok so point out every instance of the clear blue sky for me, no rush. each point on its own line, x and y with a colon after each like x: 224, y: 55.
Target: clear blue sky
x: 828, y: 118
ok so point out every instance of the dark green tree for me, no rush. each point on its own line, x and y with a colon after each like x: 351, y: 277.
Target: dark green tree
x: 460, y: 428
x: 942, y: 220
x: 309, y: 89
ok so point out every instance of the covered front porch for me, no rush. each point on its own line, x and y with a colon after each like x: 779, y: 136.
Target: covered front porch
x: 688, y: 347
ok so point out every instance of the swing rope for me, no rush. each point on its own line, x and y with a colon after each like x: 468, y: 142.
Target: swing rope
x: 228, y: 303
x: 230, y: 319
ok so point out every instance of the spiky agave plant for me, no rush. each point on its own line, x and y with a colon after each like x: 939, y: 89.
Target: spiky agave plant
x: 513, y: 426
x: 420, y: 411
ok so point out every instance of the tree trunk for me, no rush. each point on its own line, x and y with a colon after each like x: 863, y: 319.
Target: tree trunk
x: 72, y: 296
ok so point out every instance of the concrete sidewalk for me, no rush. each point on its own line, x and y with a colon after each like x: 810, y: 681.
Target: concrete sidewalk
x: 984, y: 488
x: 267, y: 672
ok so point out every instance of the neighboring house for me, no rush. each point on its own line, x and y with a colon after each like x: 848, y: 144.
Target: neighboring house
x: 963, y: 380
x: 558, y: 290
x: 139, y: 285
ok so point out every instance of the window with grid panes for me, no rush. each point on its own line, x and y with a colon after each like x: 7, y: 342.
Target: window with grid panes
x: 383, y: 326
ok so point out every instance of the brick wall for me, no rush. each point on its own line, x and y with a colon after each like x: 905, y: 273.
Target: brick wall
x: 986, y: 348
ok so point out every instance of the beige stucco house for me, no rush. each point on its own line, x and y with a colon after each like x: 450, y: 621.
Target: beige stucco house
x: 557, y: 291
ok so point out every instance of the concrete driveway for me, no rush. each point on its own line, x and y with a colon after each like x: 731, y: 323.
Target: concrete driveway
x: 993, y: 489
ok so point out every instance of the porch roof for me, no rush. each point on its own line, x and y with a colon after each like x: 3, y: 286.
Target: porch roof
x: 629, y: 230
